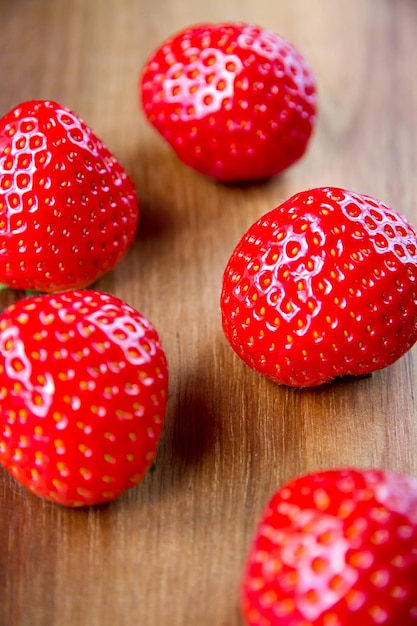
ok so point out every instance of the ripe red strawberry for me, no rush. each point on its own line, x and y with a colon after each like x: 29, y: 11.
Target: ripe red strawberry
x: 83, y: 389
x: 235, y: 101
x: 337, y: 548
x: 68, y: 210
x: 321, y: 286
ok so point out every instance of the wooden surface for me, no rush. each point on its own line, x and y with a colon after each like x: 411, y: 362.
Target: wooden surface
x: 170, y: 552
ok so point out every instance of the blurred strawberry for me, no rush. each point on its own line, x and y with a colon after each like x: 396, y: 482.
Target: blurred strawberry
x: 235, y: 101
x: 336, y: 548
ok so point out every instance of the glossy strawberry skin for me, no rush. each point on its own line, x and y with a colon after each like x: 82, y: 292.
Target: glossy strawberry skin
x: 68, y: 210
x: 335, y: 548
x: 235, y: 101
x: 83, y: 390
x: 321, y: 286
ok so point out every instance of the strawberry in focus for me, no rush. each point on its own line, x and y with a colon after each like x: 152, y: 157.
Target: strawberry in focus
x: 321, y: 286
x: 83, y: 390
x: 235, y: 101
x: 335, y: 548
x: 68, y: 210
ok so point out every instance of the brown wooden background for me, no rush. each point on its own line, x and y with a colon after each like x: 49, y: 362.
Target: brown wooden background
x: 170, y: 552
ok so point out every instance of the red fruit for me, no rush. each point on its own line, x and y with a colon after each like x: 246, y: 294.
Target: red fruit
x: 337, y: 548
x: 321, y: 286
x: 68, y: 210
x: 235, y: 101
x: 83, y: 389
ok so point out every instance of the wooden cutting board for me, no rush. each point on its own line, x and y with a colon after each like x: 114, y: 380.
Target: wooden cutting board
x: 170, y: 551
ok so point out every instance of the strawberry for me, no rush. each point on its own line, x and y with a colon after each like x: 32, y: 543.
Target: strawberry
x: 321, y: 286
x: 68, y: 210
x: 235, y: 101
x: 83, y: 390
x: 335, y: 548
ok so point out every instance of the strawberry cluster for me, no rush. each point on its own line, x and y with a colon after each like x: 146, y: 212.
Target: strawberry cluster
x: 83, y: 376
x: 324, y: 285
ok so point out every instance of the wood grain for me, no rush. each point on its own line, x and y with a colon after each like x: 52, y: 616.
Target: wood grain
x: 170, y: 552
